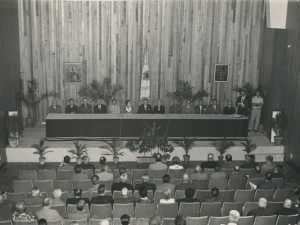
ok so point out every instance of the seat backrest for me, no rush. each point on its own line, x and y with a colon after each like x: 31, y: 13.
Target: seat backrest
x: 247, y: 171
x: 157, y: 181
x: 84, y: 194
x: 210, y: 209
x: 227, y: 195
x: 144, y: 210
x: 227, y: 206
x: 189, y: 209
x: 168, y: 210
x: 255, y: 181
x: 27, y: 175
x: 202, y: 194
x: 228, y: 171
x: 142, y: 221
x: 19, y: 222
x: 201, y: 184
x: 221, y: 184
x: 244, y: 195
x: 97, y: 221
x: 64, y: 196
x: 197, y: 220
x: 284, y: 220
x: 168, y: 221
x: 80, y: 222
x: 33, y: 209
x: 63, y: 185
x: 44, y: 185
x: 103, y: 211
x: 278, y: 181
x: 108, y: 184
x: 246, y: 220
x: 274, y: 206
x: 88, y: 172
x: 61, y: 209
x: 190, y: 171
x: 237, y: 183
x: 218, y: 220
x: 136, y: 181
x: 54, y: 222
x: 248, y: 206
x: 64, y: 174
x: 117, y: 174
x: 23, y: 186
x: 121, y: 209
x: 15, y: 197
x: 176, y: 181
x: 267, y: 194
x: 9, y: 222
x: 264, y: 220
x: 117, y: 194
x: 46, y: 175
x: 179, y: 194
x: 157, y: 174
x: 83, y: 184
x: 176, y: 173
x: 282, y: 194
x: 71, y: 208
x: 208, y: 171
x: 138, y: 173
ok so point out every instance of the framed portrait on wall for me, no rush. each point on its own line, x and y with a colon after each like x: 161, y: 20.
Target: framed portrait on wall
x: 274, y: 113
x: 221, y: 73
x: 73, y: 73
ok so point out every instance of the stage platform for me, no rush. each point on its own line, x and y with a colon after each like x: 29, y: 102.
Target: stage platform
x: 24, y: 152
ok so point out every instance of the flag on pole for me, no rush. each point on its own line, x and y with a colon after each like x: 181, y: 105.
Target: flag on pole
x: 145, y: 81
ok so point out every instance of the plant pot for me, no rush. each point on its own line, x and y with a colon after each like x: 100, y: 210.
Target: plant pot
x: 145, y: 159
x: 116, y: 159
x: 13, y: 142
x: 186, y: 158
x: 278, y: 140
x: 221, y: 158
x: 42, y: 160
x: 29, y: 122
x: 79, y: 161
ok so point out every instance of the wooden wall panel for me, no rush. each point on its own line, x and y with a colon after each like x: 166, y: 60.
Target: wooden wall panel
x: 186, y: 38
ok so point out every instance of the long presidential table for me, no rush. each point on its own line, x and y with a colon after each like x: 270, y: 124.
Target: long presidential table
x: 103, y: 126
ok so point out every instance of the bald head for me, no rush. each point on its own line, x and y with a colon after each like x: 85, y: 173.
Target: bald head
x: 197, y: 169
x: 287, y: 203
x: 104, y: 222
x: 124, y: 192
x: 262, y: 203
x: 234, y: 216
x: 236, y: 168
x: 185, y: 178
x: 210, y: 157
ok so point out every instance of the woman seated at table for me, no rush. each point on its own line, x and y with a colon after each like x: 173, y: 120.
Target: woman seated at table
x: 128, y: 108
x: 175, y: 164
x: 159, y: 108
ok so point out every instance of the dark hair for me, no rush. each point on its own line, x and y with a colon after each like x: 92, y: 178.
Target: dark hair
x: 125, y: 219
x: 77, y: 169
x: 228, y: 158
x: 214, y: 192
x: 102, y: 160
x: 215, y: 99
x: 77, y: 192
x: 67, y: 159
x: 188, y: 100
x: 296, y: 191
x: 189, y: 192
x: 217, y: 168
x: 257, y: 169
x: 42, y: 222
x: 95, y: 179
x: 145, y: 99
x: 268, y: 176
x: 143, y: 191
x: 114, y: 99
x: 71, y: 99
x: 122, y: 170
x: 251, y: 157
x: 84, y: 98
x: 126, y: 102
x: 158, y: 157
x: 279, y: 168
x: 80, y: 205
x: 175, y: 160
x: 270, y: 158
x: 166, y: 178
x: 258, y: 91
x: 180, y: 220
x: 101, y: 189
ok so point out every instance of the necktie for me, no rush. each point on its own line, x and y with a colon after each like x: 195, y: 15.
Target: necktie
x: 145, y: 108
x: 200, y: 109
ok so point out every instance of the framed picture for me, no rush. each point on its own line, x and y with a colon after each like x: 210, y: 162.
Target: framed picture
x: 221, y: 73
x: 274, y: 113
x: 73, y: 73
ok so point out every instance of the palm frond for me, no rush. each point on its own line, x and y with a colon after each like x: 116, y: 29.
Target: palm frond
x: 79, y: 150
x: 40, y: 148
x: 187, y: 144
x: 222, y: 146
x: 249, y: 146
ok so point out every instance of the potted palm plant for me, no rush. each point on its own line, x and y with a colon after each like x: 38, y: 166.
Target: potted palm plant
x: 114, y: 148
x: 222, y: 146
x: 249, y: 146
x: 79, y: 151
x: 187, y: 144
x: 15, y: 128
x: 277, y: 124
x: 40, y: 150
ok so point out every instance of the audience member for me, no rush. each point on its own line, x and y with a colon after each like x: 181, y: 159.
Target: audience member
x: 257, y: 103
x: 185, y: 183
x: 159, y: 108
x: 35, y: 197
x: 104, y: 222
x: 167, y: 194
x: 188, y: 196
x: 175, y: 108
x: 257, y: 173
x: 86, y: 165
x: 250, y: 162
x: 210, y: 164
x: 218, y: 174
x: 42, y: 222
x: 114, y: 108
x: 125, y: 219
x: 198, y: 175
x: 166, y: 183
x: 5, y: 210
x: 200, y: 109
x: 57, y: 195
x: 100, y: 108
x: 261, y: 210
x: 243, y: 104
x: 79, y: 213
x: 4, y: 195
x: 144, y: 196
x: 71, y: 108
x: 214, y: 108
x: 54, y: 108
x: 158, y: 165
x: 102, y: 198
x: 95, y: 182
x: 296, y: 194
x: 237, y: 173
x: 188, y: 108
x: 19, y: 213
x: 286, y: 210
x: 234, y: 217
x: 180, y: 220
x: 297, y: 205
x: 269, y: 166
x: 102, y: 162
x: 175, y: 164
x: 77, y: 198
x: 105, y: 175
x: 267, y: 184
x: 228, y: 162
x: 154, y: 220
x: 145, y: 108
x: 125, y: 198
x: 145, y: 183
x: 78, y: 175
x: 46, y: 212
x: 122, y: 184
x: 122, y: 170
x: 214, y: 196
x: 65, y: 165
x: 278, y: 172
x: 229, y: 109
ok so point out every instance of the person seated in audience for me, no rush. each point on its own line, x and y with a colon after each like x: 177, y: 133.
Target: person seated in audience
x: 188, y: 196
x: 200, y: 109
x: 218, y: 174
x: 57, y: 195
x: 85, y: 108
x: 234, y: 217
x: 79, y: 213
x: 95, y: 182
x: 122, y: 170
x: 129, y: 109
x: 286, y: 210
x: 77, y: 198
x: 278, y: 172
x: 4, y: 195
x: 54, y: 108
x: 198, y: 175
x: 297, y: 205
x: 257, y: 173
x: 102, y: 198
x: 42, y: 222
x: 102, y: 162
x: 154, y: 220
x: 185, y: 183
x: 145, y: 108
x: 180, y: 220
x: 237, y: 173
x: 158, y: 165
x: 269, y: 165
x: 296, y: 194
x: 188, y: 108
x: 78, y: 175
x: 35, y: 198
x: 229, y: 109
x: 105, y: 222
x: 214, y: 108
x: 114, y: 108
x: 71, y: 108
x: 122, y: 184
x: 214, y: 196
x: 261, y: 210
x: 104, y: 175
x: 166, y: 183
x: 250, y: 162
x: 5, y: 210
x: 19, y: 213
x: 125, y: 198
x: 86, y: 165
x: 210, y: 164
x: 100, y: 108
x: 175, y: 164
x: 46, y: 212
x: 267, y: 184
x: 175, y: 108
x: 143, y: 192
x: 159, y: 108
x: 228, y: 162
x: 167, y: 194
x: 65, y: 165
x: 145, y: 183
x: 125, y: 219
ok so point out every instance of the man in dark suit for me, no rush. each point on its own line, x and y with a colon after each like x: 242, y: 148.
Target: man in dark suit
x: 122, y: 184
x: 228, y: 163
x: 257, y: 173
x: 261, y: 210
x: 166, y: 183
x: 71, y: 108
x: 125, y: 199
x: 200, y: 109
x: 214, y: 108
x: 85, y: 108
x: 214, y: 196
x: 158, y: 165
x: 149, y: 186
x: 229, y: 109
x: 185, y: 183
x: 175, y: 108
x: 159, y: 108
x: 79, y: 213
x: 250, y: 162
x: 54, y: 108
x: 145, y: 108
x: 35, y: 197
x: 100, y: 108
x: 267, y: 184
x: 209, y: 163
x: 102, y: 198
x: 286, y: 210
x: 243, y: 104
x: 86, y: 165
x: 237, y: 173
x: 188, y: 196
x: 77, y: 198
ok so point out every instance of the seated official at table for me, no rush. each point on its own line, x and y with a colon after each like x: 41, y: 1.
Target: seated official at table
x: 129, y: 109
x: 100, y: 108
x: 85, y: 108
x: 114, y: 108
x: 145, y: 108
x: 214, y: 108
x: 200, y: 109
x: 54, y: 108
x: 229, y: 109
x: 188, y: 108
x: 159, y: 108
x: 71, y: 108
x: 175, y: 108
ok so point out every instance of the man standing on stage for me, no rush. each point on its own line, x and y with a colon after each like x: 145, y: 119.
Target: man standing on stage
x: 85, y: 108
x: 243, y: 104
x: 257, y: 103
